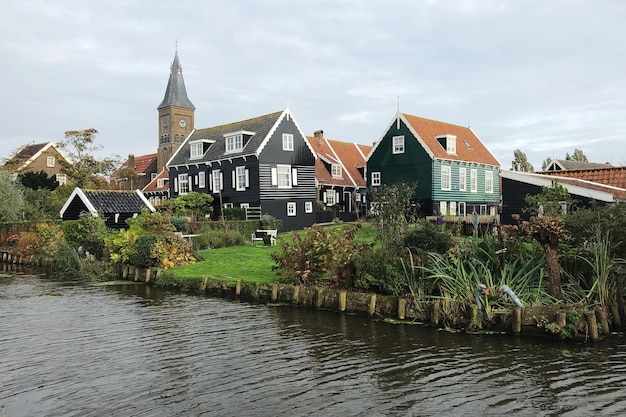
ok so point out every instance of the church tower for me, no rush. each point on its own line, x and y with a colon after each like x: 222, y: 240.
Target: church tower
x: 175, y: 115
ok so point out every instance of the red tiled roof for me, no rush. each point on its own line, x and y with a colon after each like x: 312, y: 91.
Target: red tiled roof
x: 468, y: 146
x: 142, y: 163
x: 344, y: 153
x: 352, y: 156
x: 154, y: 184
x: 613, y: 176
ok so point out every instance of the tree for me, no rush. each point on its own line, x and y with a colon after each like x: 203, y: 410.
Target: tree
x: 192, y: 204
x: 546, y: 163
x: 83, y: 168
x: 392, y: 207
x: 11, y: 198
x: 37, y: 180
x: 520, y: 162
x: 547, y: 228
x: 579, y: 156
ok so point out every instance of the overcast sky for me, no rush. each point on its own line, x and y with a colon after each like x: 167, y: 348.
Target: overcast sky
x: 543, y: 76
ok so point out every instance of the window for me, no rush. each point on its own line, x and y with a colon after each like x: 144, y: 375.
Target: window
x: 443, y: 208
x: 329, y: 197
x: 196, y: 150
x: 445, y: 178
x: 161, y: 182
x: 375, y: 178
x: 451, y: 144
x: 473, y: 181
x: 453, y: 208
x: 50, y: 161
x: 308, y: 207
x: 398, y: 144
x: 462, y: 180
x: 244, y: 205
x: 241, y: 178
x: 335, y: 170
x: 153, y: 175
x: 291, y: 209
x: 283, y: 176
x: 234, y: 143
x: 287, y: 142
x: 61, y: 179
x: 488, y: 181
x: 217, y: 180
x: 462, y: 209
x: 183, y: 184
x: 201, y: 179
x: 483, y: 209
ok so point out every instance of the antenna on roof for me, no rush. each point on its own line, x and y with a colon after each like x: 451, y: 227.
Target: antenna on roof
x: 398, y: 118
x: 468, y: 123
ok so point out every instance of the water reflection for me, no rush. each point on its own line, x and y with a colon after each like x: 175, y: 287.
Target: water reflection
x: 131, y: 350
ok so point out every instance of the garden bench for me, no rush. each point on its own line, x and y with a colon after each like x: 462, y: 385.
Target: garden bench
x: 260, y: 235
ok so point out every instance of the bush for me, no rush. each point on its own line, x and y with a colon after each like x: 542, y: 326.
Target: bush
x: 236, y: 213
x: 143, y: 252
x: 380, y: 271
x: 181, y: 224
x: 213, y: 239
x: 425, y: 236
x: 270, y: 222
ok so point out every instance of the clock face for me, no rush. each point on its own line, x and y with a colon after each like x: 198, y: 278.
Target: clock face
x: 164, y: 122
x: 182, y: 123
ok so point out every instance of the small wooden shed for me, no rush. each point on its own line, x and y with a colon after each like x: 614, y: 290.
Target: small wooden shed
x: 116, y: 206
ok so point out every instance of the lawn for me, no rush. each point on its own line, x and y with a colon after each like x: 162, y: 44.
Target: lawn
x: 246, y: 263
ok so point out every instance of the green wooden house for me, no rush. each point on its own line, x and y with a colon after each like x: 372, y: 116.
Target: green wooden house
x: 456, y: 174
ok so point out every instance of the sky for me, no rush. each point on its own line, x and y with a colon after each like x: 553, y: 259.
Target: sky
x: 546, y: 77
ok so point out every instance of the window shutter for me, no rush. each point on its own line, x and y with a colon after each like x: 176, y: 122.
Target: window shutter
x: 234, y: 179
x: 210, y: 182
x: 247, y: 178
x: 190, y: 181
x: 336, y: 197
x: 221, y: 180
x: 325, y: 196
x: 175, y: 184
x: 294, y: 176
x: 195, y: 180
x: 274, y: 176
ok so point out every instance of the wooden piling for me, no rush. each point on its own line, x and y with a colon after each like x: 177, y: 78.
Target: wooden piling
x: 148, y: 275
x: 205, y: 281
x: 372, y: 307
x: 343, y: 295
x: 320, y: 298
x: 602, y: 318
x: 517, y: 321
x: 434, y: 315
x: 474, y: 316
x: 275, y: 291
x: 238, y: 288
x: 617, y: 321
x: 561, y: 319
x: 592, y: 325
x: 296, y: 294
x: 256, y: 290
x: 401, y: 308
x: 125, y: 271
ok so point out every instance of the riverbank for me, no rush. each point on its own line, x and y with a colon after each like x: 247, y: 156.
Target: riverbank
x: 559, y: 321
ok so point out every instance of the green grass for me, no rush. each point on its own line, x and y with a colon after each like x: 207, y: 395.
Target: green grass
x: 246, y: 263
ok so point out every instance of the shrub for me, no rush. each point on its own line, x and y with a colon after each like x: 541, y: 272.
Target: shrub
x: 236, y: 213
x: 425, y: 236
x: 172, y: 251
x: 181, y: 224
x: 380, y: 271
x: 270, y: 222
x: 144, y: 251
x: 214, y: 239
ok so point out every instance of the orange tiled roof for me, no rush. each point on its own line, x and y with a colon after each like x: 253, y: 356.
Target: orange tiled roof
x: 468, y: 146
x: 349, y: 155
x: 352, y: 156
x: 154, y: 184
x: 142, y: 163
x: 613, y: 176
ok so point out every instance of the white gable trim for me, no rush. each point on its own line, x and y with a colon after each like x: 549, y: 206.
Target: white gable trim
x: 78, y: 192
x: 396, y: 120
x: 145, y: 200
x: 286, y: 114
x: 343, y: 167
x: 167, y: 164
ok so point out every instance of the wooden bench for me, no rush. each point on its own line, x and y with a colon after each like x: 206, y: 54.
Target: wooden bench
x: 260, y: 234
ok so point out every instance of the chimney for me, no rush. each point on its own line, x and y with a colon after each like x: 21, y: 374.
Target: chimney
x: 131, y: 161
x: 319, y: 134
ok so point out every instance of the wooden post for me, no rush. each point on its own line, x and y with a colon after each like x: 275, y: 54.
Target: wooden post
x: 125, y: 271
x: 275, y: 291
x: 148, y: 275
x: 343, y: 295
x: 256, y: 290
x: 617, y: 322
x: 561, y: 319
x: 474, y: 316
x: 320, y: 297
x: 205, y: 281
x: 517, y: 321
x: 372, y: 307
x: 238, y: 288
x: 434, y: 315
x: 590, y: 318
x: 619, y: 283
x: 401, y: 308
x: 601, y: 318
x: 296, y: 294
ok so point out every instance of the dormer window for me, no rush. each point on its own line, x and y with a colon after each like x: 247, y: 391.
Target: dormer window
x: 335, y: 170
x: 287, y: 142
x: 448, y: 142
x: 197, y: 148
x: 235, y: 141
x: 398, y: 144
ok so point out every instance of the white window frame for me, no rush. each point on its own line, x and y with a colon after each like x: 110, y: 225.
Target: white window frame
x: 446, y: 178
x: 201, y: 179
x: 452, y: 208
x: 283, y: 176
x: 183, y: 183
x: 308, y: 207
x: 50, y: 161
x: 451, y: 144
x: 218, y: 184
x: 474, y: 180
x: 291, y: 208
x: 62, y: 179
x: 462, y: 179
x: 335, y: 170
x: 234, y: 143
x: 241, y: 178
x: 462, y: 209
x: 398, y: 144
x: 375, y: 178
x: 329, y: 197
x: 287, y: 142
x: 443, y: 208
x: 195, y: 150
x: 161, y: 182
x: 489, y: 182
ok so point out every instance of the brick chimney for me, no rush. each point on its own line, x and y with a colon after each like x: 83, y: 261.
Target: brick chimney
x: 319, y: 134
x: 131, y: 161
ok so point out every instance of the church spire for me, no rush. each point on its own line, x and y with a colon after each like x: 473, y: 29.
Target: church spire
x: 176, y: 93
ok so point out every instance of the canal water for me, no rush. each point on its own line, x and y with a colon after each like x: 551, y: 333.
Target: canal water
x: 130, y: 350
